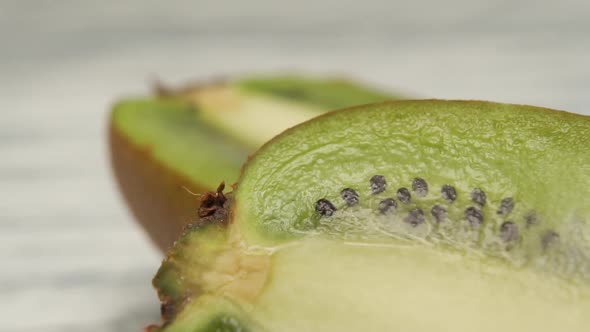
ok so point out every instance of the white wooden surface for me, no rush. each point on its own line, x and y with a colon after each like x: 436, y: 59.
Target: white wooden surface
x: 71, y: 257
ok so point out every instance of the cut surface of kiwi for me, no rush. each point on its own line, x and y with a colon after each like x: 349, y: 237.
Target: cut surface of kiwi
x: 190, y: 139
x: 402, y: 216
x: 254, y: 110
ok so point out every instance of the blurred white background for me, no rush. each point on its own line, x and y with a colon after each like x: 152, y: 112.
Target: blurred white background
x: 72, y: 259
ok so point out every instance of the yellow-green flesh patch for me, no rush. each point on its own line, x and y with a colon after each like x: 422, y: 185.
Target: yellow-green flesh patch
x: 254, y: 110
x: 250, y: 118
x: 319, y: 285
x: 324, y: 285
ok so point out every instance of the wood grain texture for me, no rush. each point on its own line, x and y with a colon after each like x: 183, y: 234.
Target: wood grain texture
x: 73, y: 259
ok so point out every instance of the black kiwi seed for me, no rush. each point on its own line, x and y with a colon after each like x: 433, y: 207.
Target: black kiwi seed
x: 404, y: 196
x: 415, y: 217
x: 324, y: 207
x: 387, y: 205
x: 531, y: 219
x: 549, y: 238
x: 439, y: 213
x: 474, y: 216
x: 350, y: 196
x: 378, y: 184
x: 420, y: 187
x: 479, y: 197
x: 508, y: 231
x: 506, y: 206
x: 448, y: 193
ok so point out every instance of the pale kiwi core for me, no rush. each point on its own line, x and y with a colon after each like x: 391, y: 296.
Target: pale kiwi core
x: 413, y: 216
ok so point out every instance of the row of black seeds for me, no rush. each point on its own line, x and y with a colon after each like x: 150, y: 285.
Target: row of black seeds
x: 378, y: 185
x: 508, y: 230
x: 420, y: 187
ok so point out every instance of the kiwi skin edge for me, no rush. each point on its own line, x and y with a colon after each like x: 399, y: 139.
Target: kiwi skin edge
x: 169, y: 206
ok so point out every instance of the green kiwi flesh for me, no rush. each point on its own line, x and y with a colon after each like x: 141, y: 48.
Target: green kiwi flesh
x: 191, y: 139
x: 168, y: 129
x: 294, y: 252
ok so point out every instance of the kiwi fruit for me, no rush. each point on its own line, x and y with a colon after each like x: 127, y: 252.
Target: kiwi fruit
x: 189, y: 139
x: 489, y: 234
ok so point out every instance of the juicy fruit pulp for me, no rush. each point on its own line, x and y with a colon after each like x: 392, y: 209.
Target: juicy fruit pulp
x: 192, y: 139
x: 411, y: 216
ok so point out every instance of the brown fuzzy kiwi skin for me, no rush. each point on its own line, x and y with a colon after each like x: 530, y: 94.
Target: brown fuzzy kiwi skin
x: 157, y: 196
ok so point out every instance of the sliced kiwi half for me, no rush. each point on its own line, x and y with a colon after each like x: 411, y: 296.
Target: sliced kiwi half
x: 401, y: 216
x: 187, y: 140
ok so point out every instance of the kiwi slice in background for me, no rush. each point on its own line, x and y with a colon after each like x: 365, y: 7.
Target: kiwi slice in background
x: 400, y: 216
x: 190, y: 139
